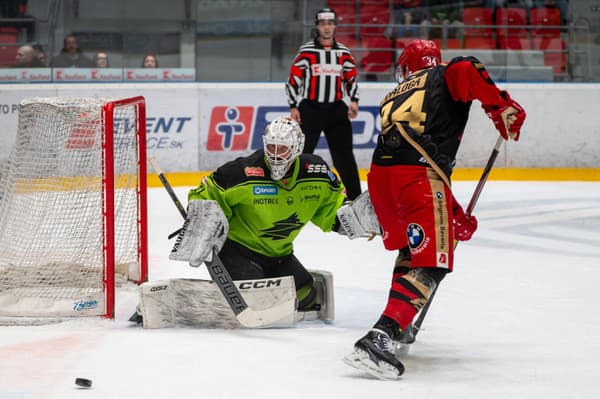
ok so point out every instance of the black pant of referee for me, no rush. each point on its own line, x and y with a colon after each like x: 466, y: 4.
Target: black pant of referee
x: 332, y: 119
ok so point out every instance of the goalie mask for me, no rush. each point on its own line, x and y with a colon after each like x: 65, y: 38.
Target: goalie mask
x: 283, y: 142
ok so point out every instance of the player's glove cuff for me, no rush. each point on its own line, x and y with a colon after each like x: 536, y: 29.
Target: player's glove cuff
x: 507, y: 115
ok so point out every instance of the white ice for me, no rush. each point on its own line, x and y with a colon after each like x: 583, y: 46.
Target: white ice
x: 517, y: 319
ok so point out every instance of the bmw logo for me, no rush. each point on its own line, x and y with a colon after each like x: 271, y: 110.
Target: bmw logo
x: 415, y: 235
x: 439, y: 195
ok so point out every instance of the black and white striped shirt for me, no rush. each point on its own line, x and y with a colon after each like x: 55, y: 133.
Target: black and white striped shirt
x: 324, y: 75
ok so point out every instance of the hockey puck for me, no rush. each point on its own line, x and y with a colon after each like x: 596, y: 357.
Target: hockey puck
x: 83, y: 382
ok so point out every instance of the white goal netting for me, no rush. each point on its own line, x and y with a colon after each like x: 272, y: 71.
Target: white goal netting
x: 56, y: 216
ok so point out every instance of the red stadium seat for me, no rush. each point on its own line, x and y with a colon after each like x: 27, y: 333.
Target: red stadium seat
x: 451, y: 43
x: 548, y: 17
x: 514, y: 43
x: 512, y: 16
x: 345, y: 15
x: 8, y: 35
x: 483, y: 43
x: 340, y: 3
x: 374, y: 14
x: 407, y: 3
x: 380, y: 56
x: 556, y: 57
x: 8, y: 55
x: 348, y: 41
x: 378, y: 42
x: 402, y: 42
x: 477, y: 16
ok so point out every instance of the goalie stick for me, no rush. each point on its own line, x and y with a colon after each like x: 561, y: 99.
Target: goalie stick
x: 412, y: 331
x: 247, y: 316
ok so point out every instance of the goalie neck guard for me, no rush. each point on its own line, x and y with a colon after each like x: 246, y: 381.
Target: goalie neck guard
x: 283, y: 142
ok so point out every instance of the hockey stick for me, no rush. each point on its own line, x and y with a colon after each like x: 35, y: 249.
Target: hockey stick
x: 247, y: 316
x: 167, y: 186
x: 413, y: 329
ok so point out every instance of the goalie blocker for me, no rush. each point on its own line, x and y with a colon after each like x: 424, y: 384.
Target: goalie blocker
x: 198, y: 303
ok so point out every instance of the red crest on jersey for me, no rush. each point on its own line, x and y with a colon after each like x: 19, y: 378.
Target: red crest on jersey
x: 254, y: 171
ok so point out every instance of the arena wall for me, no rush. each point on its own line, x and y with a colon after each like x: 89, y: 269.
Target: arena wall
x: 193, y: 128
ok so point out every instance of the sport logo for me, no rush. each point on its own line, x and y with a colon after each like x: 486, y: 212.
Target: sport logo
x: 254, y: 171
x: 312, y: 168
x: 82, y: 305
x: 257, y: 284
x: 264, y: 190
x: 326, y: 69
x: 230, y: 128
x: 415, y: 235
x: 442, y: 259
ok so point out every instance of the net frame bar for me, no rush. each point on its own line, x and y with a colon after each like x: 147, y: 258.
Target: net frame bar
x: 108, y: 198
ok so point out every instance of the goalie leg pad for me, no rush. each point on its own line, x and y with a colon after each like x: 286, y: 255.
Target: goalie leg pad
x: 200, y: 304
x: 324, y: 289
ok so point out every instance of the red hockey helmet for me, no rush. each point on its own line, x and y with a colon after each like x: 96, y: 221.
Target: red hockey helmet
x: 419, y: 54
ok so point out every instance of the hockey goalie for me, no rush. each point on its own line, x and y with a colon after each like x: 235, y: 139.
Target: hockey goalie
x: 247, y: 214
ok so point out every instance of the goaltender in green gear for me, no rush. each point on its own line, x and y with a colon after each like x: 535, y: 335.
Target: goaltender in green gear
x: 248, y: 213
x: 266, y: 215
x: 251, y: 209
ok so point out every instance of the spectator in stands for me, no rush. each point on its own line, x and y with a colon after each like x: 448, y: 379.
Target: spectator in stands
x: 101, y: 60
x: 444, y: 14
x: 39, y: 53
x: 150, y: 61
x: 26, y: 58
x: 71, y: 56
x: 514, y: 3
x: 562, y: 5
x: 406, y: 15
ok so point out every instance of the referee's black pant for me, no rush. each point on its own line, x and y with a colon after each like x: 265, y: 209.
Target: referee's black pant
x: 332, y: 119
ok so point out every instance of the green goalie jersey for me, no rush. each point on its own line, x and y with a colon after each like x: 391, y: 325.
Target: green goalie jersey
x: 266, y: 215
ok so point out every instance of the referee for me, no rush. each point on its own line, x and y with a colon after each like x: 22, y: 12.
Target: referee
x: 323, y: 73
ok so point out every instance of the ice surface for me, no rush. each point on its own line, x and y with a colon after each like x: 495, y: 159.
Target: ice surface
x: 517, y: 319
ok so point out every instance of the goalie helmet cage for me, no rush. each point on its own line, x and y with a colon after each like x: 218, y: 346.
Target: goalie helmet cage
x: 73, y: 207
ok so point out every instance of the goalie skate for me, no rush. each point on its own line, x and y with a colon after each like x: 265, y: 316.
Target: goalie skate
x: 374, y: 354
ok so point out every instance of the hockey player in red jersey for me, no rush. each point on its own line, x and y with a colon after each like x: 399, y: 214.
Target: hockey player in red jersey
x: 422, y: 122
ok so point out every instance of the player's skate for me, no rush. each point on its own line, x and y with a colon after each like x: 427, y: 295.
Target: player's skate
x: 374, y: 354
x: 404, y: 341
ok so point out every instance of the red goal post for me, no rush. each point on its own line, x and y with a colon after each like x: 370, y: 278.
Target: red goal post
x: 73, y: 208
x: 109, y: 201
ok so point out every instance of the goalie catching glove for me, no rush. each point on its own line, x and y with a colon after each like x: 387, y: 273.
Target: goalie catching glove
x: 358, y: 219
x: 205, y: 229
x: 508, y: 116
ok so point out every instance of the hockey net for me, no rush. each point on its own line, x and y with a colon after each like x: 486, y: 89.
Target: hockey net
x: 73, y: 207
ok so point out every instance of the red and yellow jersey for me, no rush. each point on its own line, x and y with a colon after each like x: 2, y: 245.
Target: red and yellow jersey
x: 433, y: 107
